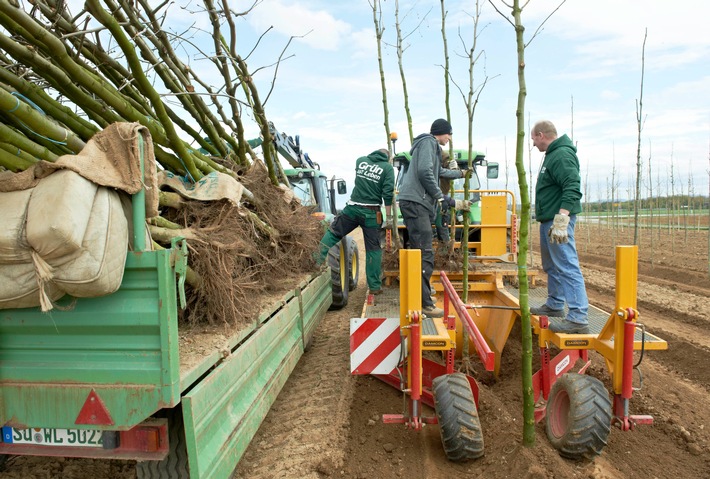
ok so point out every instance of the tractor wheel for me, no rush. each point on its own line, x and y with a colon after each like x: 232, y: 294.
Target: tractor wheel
x: 458, y: 418
x: 578, y: 416
x: 339, y: 274
x: 354, y: 264
x: 174, y: 466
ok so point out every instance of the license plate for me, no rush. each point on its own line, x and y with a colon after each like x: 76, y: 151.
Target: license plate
x: 52, y: 437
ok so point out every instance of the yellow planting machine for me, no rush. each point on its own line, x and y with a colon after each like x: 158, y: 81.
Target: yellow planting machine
x: 394, y: 341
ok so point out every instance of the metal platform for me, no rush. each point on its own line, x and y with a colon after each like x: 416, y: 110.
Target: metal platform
x: 597, y: 317
x: 386, y: 305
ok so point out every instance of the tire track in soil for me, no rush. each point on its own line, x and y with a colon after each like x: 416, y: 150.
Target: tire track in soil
x: 305, y: 432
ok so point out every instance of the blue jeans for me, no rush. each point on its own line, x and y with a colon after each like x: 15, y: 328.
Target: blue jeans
x: 565, y: 283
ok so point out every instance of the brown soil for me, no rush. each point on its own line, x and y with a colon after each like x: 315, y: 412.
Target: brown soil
x: 327, y: 423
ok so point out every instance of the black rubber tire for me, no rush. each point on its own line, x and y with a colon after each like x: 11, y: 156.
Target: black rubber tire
x: 354, y: 262
x: 339, y: 274
x: 578, y: 416
x: 460, y: 426
x: 175, y: 466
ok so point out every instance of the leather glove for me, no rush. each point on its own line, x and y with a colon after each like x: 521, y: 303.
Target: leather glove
x: 388, y: 224
x: 558, y: 231
x: 453, y: 165
x: 463, y: 205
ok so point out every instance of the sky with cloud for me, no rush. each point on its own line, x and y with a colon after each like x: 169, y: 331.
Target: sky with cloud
x: 583, y: 72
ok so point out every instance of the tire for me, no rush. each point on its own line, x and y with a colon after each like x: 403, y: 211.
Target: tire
x: 578, y: 416
x: 175, y: 466
x: 339, y: 275
x: 460, y: 426
x: 354, y: 263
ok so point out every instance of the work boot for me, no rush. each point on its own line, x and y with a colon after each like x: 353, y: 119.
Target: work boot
x: 433, y: 312
x: 545, y: 310
x: 376, y: 291
x: 565, y: 326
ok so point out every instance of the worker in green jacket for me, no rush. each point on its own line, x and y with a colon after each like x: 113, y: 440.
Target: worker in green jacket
x: 374, y: 185
x: 558, y: 195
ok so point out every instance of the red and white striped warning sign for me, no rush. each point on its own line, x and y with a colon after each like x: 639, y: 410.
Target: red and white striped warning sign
x: 374, y: 345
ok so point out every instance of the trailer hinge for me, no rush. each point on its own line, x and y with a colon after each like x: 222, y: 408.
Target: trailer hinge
x: 178, y: 259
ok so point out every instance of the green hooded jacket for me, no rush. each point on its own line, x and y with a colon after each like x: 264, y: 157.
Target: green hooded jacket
x: 374, y: 180
x: 558, y: 183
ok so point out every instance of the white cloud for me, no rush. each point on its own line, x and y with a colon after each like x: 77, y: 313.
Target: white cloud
x: 322, y: 31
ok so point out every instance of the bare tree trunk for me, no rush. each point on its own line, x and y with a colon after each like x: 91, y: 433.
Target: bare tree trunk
x: 639, y: 124
x: 470, y: 103
x: 614, y: 207
x: 651, y: 203
x: 379, y: 30
x: 446, y: 76
x: 586, y: 206
x: 400, y: 52
x: 671, y: 216
x: 526, y: 340
x: 528, y: 396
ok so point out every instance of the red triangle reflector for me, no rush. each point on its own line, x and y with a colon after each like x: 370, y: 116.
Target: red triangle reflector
x: 94, y: 411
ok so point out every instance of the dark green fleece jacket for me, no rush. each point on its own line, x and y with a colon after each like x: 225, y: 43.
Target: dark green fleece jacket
x: 558, y: 183
x: 374, y: 180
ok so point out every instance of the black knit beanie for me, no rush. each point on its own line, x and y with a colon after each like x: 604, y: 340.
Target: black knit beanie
x: 441, y: 127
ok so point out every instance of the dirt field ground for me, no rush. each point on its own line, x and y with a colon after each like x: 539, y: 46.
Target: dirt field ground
x: 326, y: 423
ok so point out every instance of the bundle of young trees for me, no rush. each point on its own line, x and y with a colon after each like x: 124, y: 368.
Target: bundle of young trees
x: 65, y: 75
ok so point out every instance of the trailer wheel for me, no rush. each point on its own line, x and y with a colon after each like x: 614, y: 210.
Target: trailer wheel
x: 459, y: 423
x: 354, y: 264
x: 174, y: 466
x: 578, y: 416
x: 339, y: 274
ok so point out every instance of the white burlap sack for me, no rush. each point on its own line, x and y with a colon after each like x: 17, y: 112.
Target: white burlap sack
x: 97, y: 268
x: 58, y: 214
x: 19, y: 287
x: 13, y: 246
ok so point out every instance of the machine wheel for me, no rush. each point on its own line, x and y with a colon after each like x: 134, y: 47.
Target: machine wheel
x: 578, y: 416
x: 174, y: 466
x: 339, y: 274
x: 354, y: 263
x: 459, y: 423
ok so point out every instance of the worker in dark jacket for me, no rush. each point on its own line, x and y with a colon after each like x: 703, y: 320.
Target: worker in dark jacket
x: 443, y: 219
x: 420, y: 198
x: 557, y: 201
x: 374, y: 184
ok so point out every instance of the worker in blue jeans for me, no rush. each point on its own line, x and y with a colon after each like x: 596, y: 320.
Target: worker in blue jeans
x: 557, y: 202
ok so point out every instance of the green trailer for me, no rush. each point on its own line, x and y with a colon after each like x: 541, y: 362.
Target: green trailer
x: 111, y: 377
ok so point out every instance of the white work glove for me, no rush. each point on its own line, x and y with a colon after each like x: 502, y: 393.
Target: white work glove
x: 463, y: 205
x: 388, y: 224
x: 453, y: 165
x: 558, y: 231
